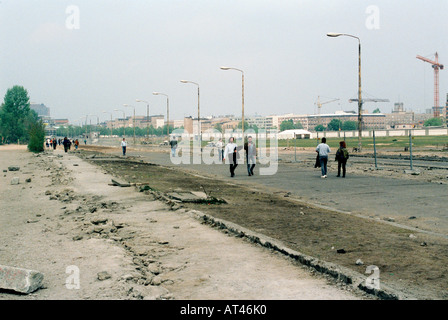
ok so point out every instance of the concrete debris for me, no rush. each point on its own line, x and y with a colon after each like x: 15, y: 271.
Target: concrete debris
x: 15, y: 180
x: 359, y: 262
x: 20, y: 280
x: 103, y: 275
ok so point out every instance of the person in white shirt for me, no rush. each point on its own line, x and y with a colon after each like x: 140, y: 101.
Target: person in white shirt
x: 323, y: 150
x: 123, y: 146
x: 231, y: 151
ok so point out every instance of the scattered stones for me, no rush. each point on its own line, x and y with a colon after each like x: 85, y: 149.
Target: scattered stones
x: 28, y: 180
x: 341, y: 251
x: 389, y: 219
x: 103, y: 275
x: 48, y: 192
x: 412, y: 236
x: 423, y: 244
x: 77, y: 238
x: 20, y: 280
x: 412, y: 217
x: 359, y: 262
x: 99, y: 220
x: 15, y: 180
x: 13, y: 168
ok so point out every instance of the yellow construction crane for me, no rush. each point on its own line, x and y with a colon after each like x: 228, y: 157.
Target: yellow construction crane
x: 319, y: 104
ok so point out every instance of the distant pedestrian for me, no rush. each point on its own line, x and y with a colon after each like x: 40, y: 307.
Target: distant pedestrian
x: 220, y: 149
x: 231, y: 151
x: 76, y: 143
x: 66, y: 143
x: 47, y: 143
x: 342, y: 157
x: 85, y: 141
x: 55, y: 143
x: 173, y: 144
x: 251, y: 154
x: 323, y: 150
x: 124, y: 144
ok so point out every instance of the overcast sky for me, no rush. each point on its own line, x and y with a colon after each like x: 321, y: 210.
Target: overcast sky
x: 123, y: 50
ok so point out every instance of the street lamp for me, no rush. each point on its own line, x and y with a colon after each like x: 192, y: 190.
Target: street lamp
x: 199, y: 116
x: 334, y: 35
x: 126, y: 105
x: 147, y: 117
x: 111, y: 125
x: 242, y: 96
x: 124, y: 118
x: 167, y: 110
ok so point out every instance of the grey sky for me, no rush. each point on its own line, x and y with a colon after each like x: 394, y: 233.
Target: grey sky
x: 125, y: 50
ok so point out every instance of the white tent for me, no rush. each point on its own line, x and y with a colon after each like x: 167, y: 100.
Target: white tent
x: 295, y: 133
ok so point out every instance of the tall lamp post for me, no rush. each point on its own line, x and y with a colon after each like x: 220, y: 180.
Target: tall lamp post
x: 242, y: 96
x: 111, y: 125
x: 124, y: 119
x: 97, y: 122
x: 147, y: 117
x: 333, y: 35
x: 167, y: 110
x: 199, y: 115
x: 133, y: 122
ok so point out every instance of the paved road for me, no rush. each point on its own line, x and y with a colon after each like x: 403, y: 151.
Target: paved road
x: 376, y: 197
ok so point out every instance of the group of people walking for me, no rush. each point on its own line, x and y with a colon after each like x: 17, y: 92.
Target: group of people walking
x: 341, y: 157
x: 67, y: 143
x: 231, y: 150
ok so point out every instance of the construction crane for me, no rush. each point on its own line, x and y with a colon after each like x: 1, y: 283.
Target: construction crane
x: 369, y: 100
x: 436, y: 66
x: 319, y: 104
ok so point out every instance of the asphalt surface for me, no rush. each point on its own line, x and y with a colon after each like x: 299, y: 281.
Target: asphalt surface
x: 378, y: 198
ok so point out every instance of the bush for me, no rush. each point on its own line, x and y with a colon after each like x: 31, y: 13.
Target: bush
x: 37, y: 137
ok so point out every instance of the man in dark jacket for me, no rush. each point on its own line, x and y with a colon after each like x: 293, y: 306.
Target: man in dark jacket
x: 251, y: 154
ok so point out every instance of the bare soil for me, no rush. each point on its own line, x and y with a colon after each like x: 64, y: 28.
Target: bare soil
x: 414, y: 265
x: 127, y: 244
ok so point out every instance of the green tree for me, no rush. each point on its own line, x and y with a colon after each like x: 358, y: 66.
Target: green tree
x: 37, y: 136
x: 334, y: 125
x: 15, y: 114
x: 377, y: 110
x: 319, y: 127
x: 290, y: 125
x: 433, y: 122
x: 349, y: 125
x: 287, y: 125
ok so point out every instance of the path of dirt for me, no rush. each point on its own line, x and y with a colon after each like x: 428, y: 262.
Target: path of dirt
x: 414, y: 263
x: 128, y: 245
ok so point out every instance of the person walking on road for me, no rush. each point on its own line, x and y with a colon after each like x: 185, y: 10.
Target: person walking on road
x: 55, y: 143
x: 220, y: 149
x: 66, y: 143
x: 173, y: 144
x: 124, y: 144
x: 342, y: 157
x: 251, y: 154
x: 323, y: 150
x: 231, y: 151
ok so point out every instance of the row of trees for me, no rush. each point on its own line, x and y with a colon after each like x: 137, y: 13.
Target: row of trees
x: 18, y: 123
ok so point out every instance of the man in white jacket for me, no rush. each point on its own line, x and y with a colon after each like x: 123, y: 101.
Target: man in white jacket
x: 231, y: 151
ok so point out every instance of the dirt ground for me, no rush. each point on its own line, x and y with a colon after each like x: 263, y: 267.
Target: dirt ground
x: 128, y: 245
x: 414, y: 265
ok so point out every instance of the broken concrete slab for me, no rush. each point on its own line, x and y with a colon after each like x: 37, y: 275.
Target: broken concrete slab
x: 15, y: 180
x: 199, y: 194
x: 184, y: 196
x: 120, y: 184
x: 20, y: 280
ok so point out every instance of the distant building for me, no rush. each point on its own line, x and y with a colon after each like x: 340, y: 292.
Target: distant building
x: 41, y: 110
